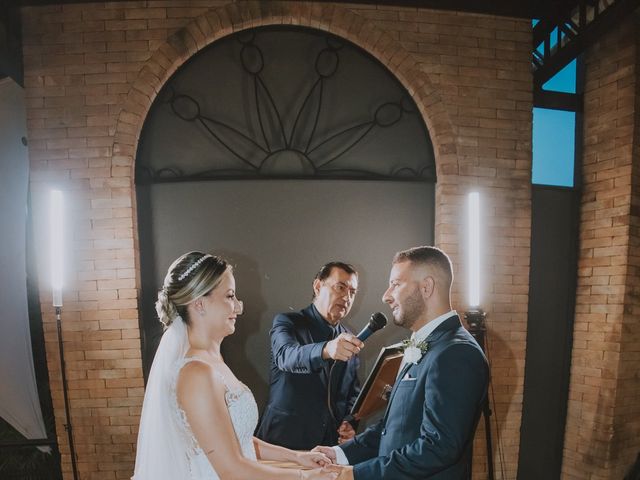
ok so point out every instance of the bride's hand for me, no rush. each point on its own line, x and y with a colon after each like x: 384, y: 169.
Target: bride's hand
x: 312, y: 459
x: 328, y: 451
x: 330, y: 473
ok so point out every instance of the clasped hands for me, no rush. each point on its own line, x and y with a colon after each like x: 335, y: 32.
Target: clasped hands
x: 322, y: 460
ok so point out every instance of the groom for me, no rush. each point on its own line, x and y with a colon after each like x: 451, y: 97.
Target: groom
x: 434, y: 407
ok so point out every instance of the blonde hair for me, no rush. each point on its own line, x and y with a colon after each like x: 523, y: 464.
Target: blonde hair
x: 189, y: 277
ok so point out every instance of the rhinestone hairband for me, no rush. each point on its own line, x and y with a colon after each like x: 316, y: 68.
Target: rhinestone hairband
x: 195, y: 265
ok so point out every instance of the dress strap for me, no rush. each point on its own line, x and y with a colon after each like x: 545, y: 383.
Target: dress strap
x: 223, y: 379
x: 216, y: 373
x: 186, y: 360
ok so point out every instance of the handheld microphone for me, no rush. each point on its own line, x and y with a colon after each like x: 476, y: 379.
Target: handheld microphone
x: 378, y: 320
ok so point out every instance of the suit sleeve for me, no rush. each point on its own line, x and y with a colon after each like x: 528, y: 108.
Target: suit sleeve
x: 363, y: 446
x: 289, y: 355
x: 454, y: 390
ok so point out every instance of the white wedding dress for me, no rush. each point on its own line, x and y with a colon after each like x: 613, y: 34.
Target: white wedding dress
x: 244, y: 417
x: 167, y: 449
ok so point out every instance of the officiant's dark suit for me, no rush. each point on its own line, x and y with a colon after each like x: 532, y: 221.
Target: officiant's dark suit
x: 433, y: 410
x: 310, y: 392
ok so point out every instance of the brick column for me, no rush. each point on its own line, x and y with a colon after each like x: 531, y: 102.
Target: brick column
x: 603, y: 420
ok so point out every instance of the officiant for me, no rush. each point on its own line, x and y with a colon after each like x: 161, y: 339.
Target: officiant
x: 314, y: 364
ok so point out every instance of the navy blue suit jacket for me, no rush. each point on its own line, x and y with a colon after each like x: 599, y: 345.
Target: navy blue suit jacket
x: 434, y: 407
x: 297, y: 414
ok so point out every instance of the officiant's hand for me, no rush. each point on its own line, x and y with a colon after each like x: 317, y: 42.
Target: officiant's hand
x: 343, y: 347
x: 345, y: 432
x: 328, y: 451
x: 312, y: 459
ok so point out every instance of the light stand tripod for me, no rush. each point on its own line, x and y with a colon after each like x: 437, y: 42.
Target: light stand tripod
x: 475, y: 320
x: 67, y: 425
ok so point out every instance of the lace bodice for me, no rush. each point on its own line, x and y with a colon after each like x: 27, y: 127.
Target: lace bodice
x: 243, y: 412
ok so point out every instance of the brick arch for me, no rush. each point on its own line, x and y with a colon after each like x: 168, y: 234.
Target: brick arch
x: 234, y: 17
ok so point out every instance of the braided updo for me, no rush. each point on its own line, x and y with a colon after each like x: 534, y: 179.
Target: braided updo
x: 189, y: 277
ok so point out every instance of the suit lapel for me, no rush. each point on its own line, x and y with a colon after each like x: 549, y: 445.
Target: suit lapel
x: 403, y: 372
x: 318, y: 330
x: 449, y: 324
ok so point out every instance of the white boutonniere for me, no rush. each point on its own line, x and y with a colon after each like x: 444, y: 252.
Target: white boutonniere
x: 413, y: 351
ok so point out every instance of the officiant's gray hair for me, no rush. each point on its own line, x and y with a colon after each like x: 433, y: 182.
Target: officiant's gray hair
x: 430, y: 256
x: 190, y: 276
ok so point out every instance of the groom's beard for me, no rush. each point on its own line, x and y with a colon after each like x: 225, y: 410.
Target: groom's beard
x: 410, y: 310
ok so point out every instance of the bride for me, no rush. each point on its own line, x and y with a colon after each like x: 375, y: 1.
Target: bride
x: 197, y: 418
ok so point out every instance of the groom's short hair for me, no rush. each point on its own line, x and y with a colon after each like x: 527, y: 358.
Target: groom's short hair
x: 431, y: 257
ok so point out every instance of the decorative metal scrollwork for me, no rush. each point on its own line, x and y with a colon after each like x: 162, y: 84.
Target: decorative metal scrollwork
x: 274, y: 143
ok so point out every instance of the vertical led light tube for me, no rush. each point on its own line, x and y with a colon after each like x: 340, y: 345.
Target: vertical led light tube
x: 56, y: 239
x: 56, y: 242
x: 473, y: 235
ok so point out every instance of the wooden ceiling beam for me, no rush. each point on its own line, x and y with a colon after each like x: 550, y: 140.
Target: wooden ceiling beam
x: 561, y: 38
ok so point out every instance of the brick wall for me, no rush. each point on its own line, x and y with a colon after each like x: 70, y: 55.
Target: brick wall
x: 603, y: 422
x: 91, y: 73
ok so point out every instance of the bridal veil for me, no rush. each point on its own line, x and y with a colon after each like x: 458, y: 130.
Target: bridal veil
x: 162, y: 451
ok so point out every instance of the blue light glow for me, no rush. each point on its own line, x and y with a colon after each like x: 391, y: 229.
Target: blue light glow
x: 564, y: 80
x: 553, y: 147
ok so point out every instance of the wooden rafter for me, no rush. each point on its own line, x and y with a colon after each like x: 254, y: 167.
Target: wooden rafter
x: 563, y: 35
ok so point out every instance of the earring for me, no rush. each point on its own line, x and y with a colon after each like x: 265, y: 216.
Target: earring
x: 202, y: 313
